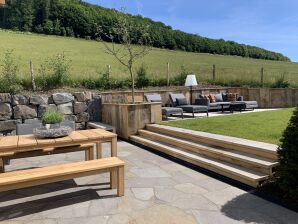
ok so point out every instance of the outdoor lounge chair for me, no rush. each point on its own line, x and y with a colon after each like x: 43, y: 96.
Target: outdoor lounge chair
x: 166, y: 111
x: 179, y: 101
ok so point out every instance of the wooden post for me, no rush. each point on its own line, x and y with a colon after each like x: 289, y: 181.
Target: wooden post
x: 213, y: 73
x: 168, y: 74
x: 109, y: 71
x: 262, y: 76
x: 32, y: 77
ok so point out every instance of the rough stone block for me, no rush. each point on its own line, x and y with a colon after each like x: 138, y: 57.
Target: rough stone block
x: 62, y: 98
x: 39, y: 100
x: 79, y: 107
x: 82, y: 96
x: 80, y: 126
x: 20, y: 100
x: 69, y: 117
x: 66, y: 108
x: 45, y: 108
x: 5, y: 98
x: 9, y: 125
x: 25, y: 112
x: 82, y: 117
x: 5, y: 111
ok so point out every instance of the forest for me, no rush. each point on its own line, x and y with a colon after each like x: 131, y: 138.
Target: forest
x: 79, y: 19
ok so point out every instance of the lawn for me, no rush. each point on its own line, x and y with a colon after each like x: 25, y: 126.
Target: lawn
x: 88, y: 58
x: 265, y: 126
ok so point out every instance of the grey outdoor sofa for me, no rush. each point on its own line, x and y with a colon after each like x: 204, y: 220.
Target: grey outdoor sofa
x: 176, y: 97
x: 166, y: 111
x: 220, y: 104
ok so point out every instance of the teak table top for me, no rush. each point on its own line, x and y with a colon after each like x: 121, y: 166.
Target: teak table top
x: 30, y: 142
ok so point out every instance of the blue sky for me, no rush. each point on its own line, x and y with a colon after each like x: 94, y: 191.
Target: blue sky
x: 270, y: 24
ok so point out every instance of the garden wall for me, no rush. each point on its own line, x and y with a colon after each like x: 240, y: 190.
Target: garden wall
x: 79, y: 107
x: 266, y: 97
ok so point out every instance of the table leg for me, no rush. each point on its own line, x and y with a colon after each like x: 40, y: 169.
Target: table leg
x: 98, y: 150
x: 2, y: 169
x: 120, y: 181
x: 114, y: 147
x: 222, y: 108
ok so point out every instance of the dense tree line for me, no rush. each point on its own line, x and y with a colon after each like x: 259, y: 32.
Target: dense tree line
x: 79, y: 19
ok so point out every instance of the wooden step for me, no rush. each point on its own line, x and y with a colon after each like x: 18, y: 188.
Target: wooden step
x: 241, y: 174
x: 248, y: 146
x: 250, y: 161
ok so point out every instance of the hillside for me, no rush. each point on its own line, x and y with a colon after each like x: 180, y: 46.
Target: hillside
x: 88, y: 59
x: 77, y: 18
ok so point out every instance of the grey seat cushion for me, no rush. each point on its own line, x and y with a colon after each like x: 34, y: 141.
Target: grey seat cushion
x: 194, y: 108
x: 171, y: 110
x: 174, y: 97
x: 250, y: 104
x: 153, y: 98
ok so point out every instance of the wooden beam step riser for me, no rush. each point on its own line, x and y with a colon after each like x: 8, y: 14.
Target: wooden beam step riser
x: 235, y: 176
x: 207, y: 152
x: 213, y: 142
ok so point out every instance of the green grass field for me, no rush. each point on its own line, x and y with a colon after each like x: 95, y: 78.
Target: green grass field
x: 260, y: 126
x: 88, y: 58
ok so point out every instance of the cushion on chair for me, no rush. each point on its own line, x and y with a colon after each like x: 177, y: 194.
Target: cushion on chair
x: 218, y: 97
x: 224, y: 97
x: 212, y: 98
x: 181, y: 101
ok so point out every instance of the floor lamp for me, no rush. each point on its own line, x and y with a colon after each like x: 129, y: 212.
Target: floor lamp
x: 191, y: 81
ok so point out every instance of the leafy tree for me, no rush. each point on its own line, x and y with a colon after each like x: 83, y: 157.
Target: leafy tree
x: 142, y: 77
x: 288, y: 158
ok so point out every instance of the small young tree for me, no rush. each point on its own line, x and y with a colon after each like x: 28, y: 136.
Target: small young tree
x: 129, y: 42
x: 287, y: 173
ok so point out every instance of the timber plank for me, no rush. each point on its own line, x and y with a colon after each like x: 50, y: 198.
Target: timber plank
x: 27, y: 141
x: 9, y: 142
x: 104, y: 133
x: 91, y: 134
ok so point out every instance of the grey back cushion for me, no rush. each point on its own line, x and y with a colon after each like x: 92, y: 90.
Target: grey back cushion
x: 27, y: 129
x: 153, y: 98
x: 181, y: 101
x: 218, y: 97
x: 174, y: 97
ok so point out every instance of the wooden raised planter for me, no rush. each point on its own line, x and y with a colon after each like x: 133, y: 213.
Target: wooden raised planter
x: 129, y: 118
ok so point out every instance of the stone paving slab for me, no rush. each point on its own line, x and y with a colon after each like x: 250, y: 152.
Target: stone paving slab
x: 157, y: 190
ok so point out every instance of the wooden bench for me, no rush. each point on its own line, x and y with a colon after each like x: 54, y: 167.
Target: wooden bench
x: 88, y: 148
x: 38, y: 176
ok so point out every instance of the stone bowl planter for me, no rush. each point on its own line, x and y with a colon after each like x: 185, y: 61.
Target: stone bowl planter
x: 58, y: 132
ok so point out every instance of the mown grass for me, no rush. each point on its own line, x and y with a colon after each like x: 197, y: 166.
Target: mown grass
x: 265, y: 126
x: 88, y: 59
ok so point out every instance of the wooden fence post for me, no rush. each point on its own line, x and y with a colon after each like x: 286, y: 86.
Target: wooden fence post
x: 262, y: 76
x: 109, y: 71
x: 214, y: 73
x: 32, y: 76
x: 168, y: 74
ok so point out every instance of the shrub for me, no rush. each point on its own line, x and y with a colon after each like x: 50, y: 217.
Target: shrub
x: 9, y: 81
x: 52, y: 117
x: 142, y: 77
x: 180, y: 79
x: 287, y: 171
x: 53, y: 73
x: 281, y: 82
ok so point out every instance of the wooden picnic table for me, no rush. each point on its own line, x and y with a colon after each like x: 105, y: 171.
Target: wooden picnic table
x: 14, y: 146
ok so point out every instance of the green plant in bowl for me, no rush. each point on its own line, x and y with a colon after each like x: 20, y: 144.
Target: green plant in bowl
x: 52, y: 119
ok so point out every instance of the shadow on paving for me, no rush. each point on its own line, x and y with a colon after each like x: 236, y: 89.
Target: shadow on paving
x: 39, y: 205
x: 240, y: 208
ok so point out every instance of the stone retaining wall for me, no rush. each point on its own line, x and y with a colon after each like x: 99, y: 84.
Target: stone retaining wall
x: 79, y: 107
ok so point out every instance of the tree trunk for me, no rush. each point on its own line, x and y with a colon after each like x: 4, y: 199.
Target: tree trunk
x: 132, y: 85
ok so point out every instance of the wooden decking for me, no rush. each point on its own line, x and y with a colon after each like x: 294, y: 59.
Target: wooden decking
x: 246, y: 161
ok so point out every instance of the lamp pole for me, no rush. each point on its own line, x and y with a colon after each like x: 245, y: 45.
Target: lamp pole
x: 191, y: 81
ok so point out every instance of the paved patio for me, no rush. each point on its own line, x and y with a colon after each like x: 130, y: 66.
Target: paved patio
x: 158, y: 190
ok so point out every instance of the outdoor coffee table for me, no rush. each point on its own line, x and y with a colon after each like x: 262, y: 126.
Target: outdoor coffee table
x: 222, y: 104
x: 26, y: 145
x: 237, y: 106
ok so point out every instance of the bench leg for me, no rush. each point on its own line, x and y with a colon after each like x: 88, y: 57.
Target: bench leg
x: 89, y: 154
x: 113, y: 178
x: 120, y: 181
x: 114, y: 147
x: 2, y: 169
x: 98, y: 150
